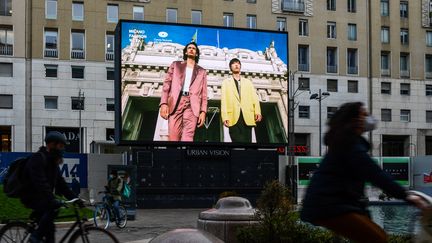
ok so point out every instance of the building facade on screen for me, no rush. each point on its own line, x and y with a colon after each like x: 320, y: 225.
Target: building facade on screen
x: 379, y: 54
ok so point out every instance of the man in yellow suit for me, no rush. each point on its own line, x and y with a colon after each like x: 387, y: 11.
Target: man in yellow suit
x: 240, y: 108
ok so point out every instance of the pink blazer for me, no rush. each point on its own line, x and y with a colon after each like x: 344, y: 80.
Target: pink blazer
x: 173, y: 85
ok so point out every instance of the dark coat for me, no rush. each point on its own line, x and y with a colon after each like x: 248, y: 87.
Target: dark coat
x: 337, y: 186
x: 44, y: 179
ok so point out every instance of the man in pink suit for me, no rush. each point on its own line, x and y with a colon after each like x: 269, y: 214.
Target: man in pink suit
x: 184, y: 96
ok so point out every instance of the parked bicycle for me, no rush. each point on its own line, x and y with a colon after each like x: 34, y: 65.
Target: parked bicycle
x: 104, y: 213
x: 80, y: 231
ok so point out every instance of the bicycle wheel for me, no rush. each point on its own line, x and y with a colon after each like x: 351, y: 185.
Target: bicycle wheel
x: 122, y: 221
x: 101, y: 217
x: 93, y: 234
x: 15, y: 232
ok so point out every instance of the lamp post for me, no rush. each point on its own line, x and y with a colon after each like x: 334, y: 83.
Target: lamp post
x: 81, y: 101
x: 319, y: 96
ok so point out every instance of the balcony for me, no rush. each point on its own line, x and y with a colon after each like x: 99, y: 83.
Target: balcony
x: 404, y: 73
x: 352, y: 70
x: 303, y: 67
x: 77, y: 54
x: 109, y: 56
x: 428, y: 75
x: 385, y: 72
x: 51, y: 53
x: 293, y: 6
x: 332, y: 69
x: 6, y: 50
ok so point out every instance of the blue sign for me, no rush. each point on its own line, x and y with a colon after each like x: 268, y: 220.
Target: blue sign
x: 75, y: 165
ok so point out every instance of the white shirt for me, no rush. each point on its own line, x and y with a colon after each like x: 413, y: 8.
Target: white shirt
x: 188, y: 79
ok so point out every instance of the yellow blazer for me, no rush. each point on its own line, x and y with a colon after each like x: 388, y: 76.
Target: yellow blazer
x: 232, y: 103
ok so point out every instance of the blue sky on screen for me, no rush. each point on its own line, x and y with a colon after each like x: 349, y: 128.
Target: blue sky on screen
x: 252, y: 40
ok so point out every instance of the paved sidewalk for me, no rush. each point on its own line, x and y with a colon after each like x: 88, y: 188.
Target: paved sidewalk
x: 150, y: 223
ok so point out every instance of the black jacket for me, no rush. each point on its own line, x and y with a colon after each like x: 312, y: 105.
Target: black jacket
x: 337, y: 186
x: 44, y: 179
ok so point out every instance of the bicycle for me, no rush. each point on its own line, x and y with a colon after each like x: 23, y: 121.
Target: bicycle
x: 104, y: 212
x: 19, y: 231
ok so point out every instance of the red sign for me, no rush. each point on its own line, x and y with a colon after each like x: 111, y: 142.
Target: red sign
x: 293, y: 149
x: 427, y: 178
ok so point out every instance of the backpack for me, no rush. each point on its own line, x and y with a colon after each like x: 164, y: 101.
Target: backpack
x: 14, y: 181
x: 126, y: 190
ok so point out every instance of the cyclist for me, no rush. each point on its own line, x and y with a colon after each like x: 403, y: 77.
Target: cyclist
x: 334, y: 196
x: 43, y: 180
x: 115, y: 186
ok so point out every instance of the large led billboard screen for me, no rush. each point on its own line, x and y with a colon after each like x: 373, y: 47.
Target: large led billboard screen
x: 187, y: 84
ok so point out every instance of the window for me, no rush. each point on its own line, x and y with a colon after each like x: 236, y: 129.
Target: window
x: 404, y: 9
x: 405, y: 115
x: 429, y: 116
x: 331, y: 30
x: 112, y: 13
x: 51, y: 40
x: 196, y: 16
x: 228, y: 19
x: 251, y: 1
x: 110, y: 73
x: 352, y: 6
x: 386, y: 115
x: 110, y: 134
x: 405, y: 89
x: 385, y: 88
x: 385, y: 63
x: 293, y: 5
x: 171, y: 15
x: 331, y: 5
x: 6, y: 101
x: 352, y: 32
x: 332, y: 85
x: 352, y: 86
x: 51, y: 9
x: 78, y: 103
x: 51, y: 70
x: 6, y: 40
x: 332, y: 60
x: 331, y: 111
x: 51, y: 102
x: 5, y: 7
x: 110, y: 104
x: 404, y: 36
x: 385, y: 34
x: 6, y: 69
x: 428, y: 88
x: 78, y: 45
x: 304, y: 112
x: 404, y: 65
x: 303, y: 58
x: 303, y: 27
x: 429, y: 38
x: 384, y: 8
x: 138, y: 13
x: 428, y: 66
x: 303, y: 83
x: 281, y: 24
x: 77, y: 11
x: 352, y: 61
x: 78, y: 72
x: 109, y: 47
x: 251, y: 21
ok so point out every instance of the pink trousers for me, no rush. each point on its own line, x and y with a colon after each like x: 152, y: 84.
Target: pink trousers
x: 182, y: 124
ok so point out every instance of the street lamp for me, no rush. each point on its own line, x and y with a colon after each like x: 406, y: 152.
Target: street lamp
x: 319, y: 96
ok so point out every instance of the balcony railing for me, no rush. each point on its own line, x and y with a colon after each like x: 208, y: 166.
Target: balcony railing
x: 428, y: 75
x: 109, y: 56
x: 352, y: 70
x: 405, y: 73
x: 6, y: 50
x: 293, y: 6
x: 51, y: 52
x: 385, y: 72
x: 303, y: 67
x: 332, y: 69
x: 77, y: 54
